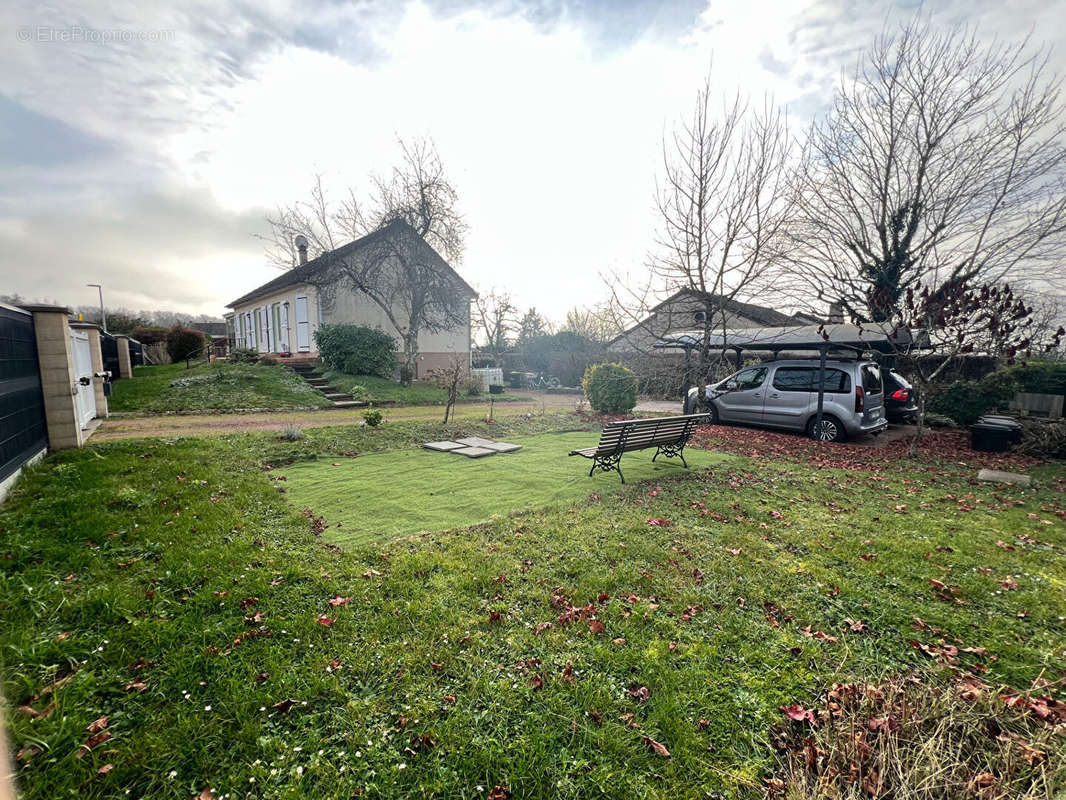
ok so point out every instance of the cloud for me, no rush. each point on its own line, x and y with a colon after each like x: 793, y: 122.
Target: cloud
x: 148, y: 161
x: 178, y: 251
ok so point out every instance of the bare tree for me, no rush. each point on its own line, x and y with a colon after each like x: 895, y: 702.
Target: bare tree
x: 496, y: 321
x: 942, y: 163
x: 721, y: 201
x: 449, y: 378
x: 414, y: 213
x: 597, y: 324
x: 933, y: 328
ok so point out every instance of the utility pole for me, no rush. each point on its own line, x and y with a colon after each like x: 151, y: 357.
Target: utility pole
x: 100, y: 289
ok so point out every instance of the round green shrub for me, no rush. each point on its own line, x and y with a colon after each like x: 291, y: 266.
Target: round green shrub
x: 359, y: 392
x: 183, y: 343
x: 357, y: 350
x: 610, y: 388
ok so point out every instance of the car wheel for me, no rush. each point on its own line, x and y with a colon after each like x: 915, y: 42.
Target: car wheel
x: 830, y: 430
x: 712, y: 413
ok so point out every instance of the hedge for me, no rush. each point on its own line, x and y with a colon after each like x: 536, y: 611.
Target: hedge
x: 357, y: 350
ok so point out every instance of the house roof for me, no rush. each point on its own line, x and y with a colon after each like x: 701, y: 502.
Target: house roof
x: 761, y: 315
x: 304, y: 272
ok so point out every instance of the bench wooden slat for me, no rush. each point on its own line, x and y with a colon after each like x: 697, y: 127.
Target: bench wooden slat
x: 626, y: 436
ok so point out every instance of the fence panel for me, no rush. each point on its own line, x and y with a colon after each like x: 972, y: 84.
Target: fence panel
x: 22, y: 426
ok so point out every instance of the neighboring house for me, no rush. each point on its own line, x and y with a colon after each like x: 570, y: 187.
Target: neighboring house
x: 281, y: 316
x: 684, y: 310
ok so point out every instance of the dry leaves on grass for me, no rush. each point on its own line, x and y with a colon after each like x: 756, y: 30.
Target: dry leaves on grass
x: 911, y: 740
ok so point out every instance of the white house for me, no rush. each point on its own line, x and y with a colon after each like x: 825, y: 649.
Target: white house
x: 280, y: 317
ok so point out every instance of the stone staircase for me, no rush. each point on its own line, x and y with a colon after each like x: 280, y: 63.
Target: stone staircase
x: 309, y: 371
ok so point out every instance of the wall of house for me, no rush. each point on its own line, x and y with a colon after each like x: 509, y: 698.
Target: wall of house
x: 435, y: 349
x: 284, y: 336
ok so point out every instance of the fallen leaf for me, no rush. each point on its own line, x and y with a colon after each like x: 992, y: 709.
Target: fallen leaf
x: 596, y: 627
x: 642, y: 693
x: 798, y: 713
x: 656, y: 747
x: 97, y: 725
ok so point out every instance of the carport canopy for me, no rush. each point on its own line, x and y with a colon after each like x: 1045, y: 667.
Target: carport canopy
x: 875, y: 337
x: 822, y: 339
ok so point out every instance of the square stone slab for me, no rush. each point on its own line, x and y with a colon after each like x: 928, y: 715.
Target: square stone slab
x: 504, y: 447
x: 994, y: 475
x: 442, y: 447
x: 474, y: 452
x: 475, y: 441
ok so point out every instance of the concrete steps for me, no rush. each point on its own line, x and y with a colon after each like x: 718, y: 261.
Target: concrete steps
x: 309, y: 371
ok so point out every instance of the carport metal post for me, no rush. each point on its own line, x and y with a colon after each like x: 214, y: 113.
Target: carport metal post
x: 821, y: 390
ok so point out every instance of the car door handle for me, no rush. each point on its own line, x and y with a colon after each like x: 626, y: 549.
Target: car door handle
x: 774, y: 394
x: 756, y: 395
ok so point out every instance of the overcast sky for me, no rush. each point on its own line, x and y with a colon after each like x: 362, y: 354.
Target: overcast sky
x: 146, y: 154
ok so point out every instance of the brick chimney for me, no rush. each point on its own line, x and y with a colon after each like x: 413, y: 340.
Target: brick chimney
x: 836, y: 314
x: 301, y: 247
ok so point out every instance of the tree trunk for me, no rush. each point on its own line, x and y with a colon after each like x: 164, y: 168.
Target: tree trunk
x: 410, y: 358
x: 920, y: 420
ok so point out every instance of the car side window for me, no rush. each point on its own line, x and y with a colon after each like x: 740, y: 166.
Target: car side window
x: 836, y: 381
x: 871, y: 379
x: 750, y: 378
x: 793, y: 379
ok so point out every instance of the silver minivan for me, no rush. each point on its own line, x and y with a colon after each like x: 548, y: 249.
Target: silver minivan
x: 784, y: 394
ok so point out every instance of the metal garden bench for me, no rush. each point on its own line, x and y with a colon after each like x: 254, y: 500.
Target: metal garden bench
x: 668, y: 435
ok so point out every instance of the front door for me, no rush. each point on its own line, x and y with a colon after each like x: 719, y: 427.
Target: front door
x: 85, y: 399
x: 303, y: 328
x: 742, y: 399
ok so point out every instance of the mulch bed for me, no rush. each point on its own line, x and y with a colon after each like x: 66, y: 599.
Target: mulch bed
x: 935, y: 447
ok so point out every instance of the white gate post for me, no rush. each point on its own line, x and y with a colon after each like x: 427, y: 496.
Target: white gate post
x: 56, y: 362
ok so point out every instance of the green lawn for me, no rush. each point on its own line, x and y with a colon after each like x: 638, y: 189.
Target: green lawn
x: 383, y: 495
x: 219, y: 386
x: 170, y: 587
x: 418, y: 393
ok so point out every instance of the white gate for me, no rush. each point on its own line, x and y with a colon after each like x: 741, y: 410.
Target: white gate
x: 85, y: 401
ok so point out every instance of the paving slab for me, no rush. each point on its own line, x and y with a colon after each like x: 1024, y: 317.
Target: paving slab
x: 504, y: 447
x: 442, y: 447
x: 475, y: 441
x: 474, y: 452
x: 995, y: 476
